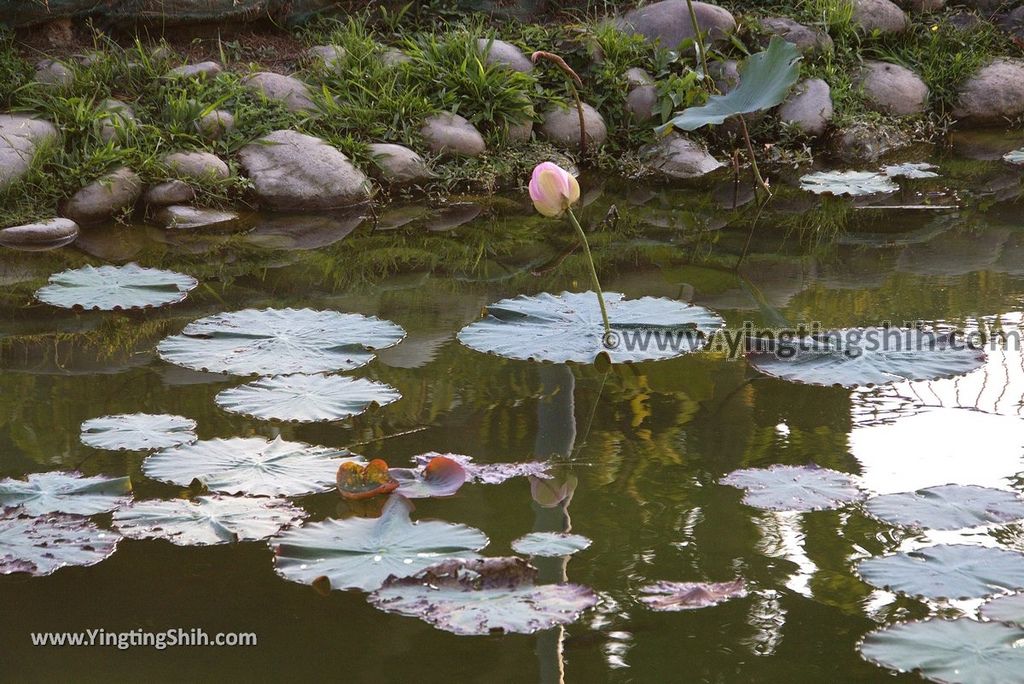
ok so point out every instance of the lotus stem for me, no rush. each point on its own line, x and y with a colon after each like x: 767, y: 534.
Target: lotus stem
x: 761, y: 184
x: 593, y: 270
x: 701, y: 52
x: 573, y: 79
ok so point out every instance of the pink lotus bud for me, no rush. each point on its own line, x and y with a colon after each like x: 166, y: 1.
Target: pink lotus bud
x: 553, y: 189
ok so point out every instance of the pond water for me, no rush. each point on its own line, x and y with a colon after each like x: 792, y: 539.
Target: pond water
x: 640, y: 448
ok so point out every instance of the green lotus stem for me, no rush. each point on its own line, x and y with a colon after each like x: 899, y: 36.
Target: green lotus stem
x: 573, y: 79
x: 700, y: 40
x: 762, y: 185
x: 593, y: 269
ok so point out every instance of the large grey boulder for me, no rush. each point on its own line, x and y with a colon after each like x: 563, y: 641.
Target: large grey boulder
x: 561, y: 126
x: 879, y: 15
x: 52, y: 72
x: 725, y: 74
x: 893, y: 89
x: 808, y: 108
x: 676, y: 156
x: 183, y: 217
x: 291, y: 92
x: 291, y: 170
x: 448, y: 133
x: 398, y: 164
x: 214, y: 125
x: 519, y: 133
x: 169, y: 192
x: 105, y: 197
x: 808, y: 40
x: 49, y: 234
x: 116, y: 118
x: 197, y: 165
x: 20, y: 139
x: 994, y: 95
x: 668, y: 22
x: 641, y: 102
x: 496, y: 51
x: 207, y: 69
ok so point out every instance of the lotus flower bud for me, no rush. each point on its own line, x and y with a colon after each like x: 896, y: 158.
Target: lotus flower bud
x: 553, y: 189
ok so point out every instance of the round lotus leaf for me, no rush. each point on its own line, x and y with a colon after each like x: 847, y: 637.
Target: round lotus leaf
x: 206, y: 520
x: 138, y: 432
x: 65, y: 492
x: 568, y: 328
x: 113, y: 288
x: 911, y: 170
x: 279, y: 342
x: 250, y: 465
x: 42, y: 545
x: 1005, y: 609
x: 678, y: 596
x: 852, y: 183
x: 947, y: 571
x: 948, y: 507
x: 961, y: 651
x: 794, y: 488
x: 301, y: 398
x: 551, y: 544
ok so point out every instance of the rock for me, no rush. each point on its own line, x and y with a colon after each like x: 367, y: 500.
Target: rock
x: 676, y: 156
x: 519, y: 133
x: 641, y: 102
x: 183, y: 217
x: 562, y: 126
x: 496, y: 51
x: 725, y: 74
x: 199, y: 70
x: 807, y: 40
x: 292, y: 92
x: 117, y: 117
x: 213, y: 125
x: 20, y: 139
x: 879, y: 15
x: 865, y: 142
x: 105, y: 197
x: 893, y: 89
x: 637, y: 77
x: 197, y: 165
x: 329, y: 56
x: 398, y: 164
x: 49, y: 234
x: 52, y: 72
x: 668, y: 22
x: 1012, y: 23
x: 291, y: 170
x: 809, y: 107
x: 994, y: 95
x: 393, y: 57
x: 169, y: 192
x: 924, y: 5
x: 447, y: 133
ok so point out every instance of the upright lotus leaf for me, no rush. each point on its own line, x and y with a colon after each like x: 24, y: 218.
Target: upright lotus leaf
x: 794, y: 488
x: 1005, y: 609
x: 1014, y: 157
x: 279, y: 342
x: 301, y: 398
x: 357, y: 481
x: 947, y: 571
x: 767, y: 78
x: 961, y: 651
x: 854, y: 183
x: 206, y: 520
x: 948, y: 507
x: 491, y: 473
x: 113, y: 288
x: 65, y: 492
x: 679, y: 596
x: 483, y: 596
x: 40, y: 546
x: 911, y: 170
x: 138, y: 432
x: 250, y: 465
x: 857, y: 357
x: 360, y: 553
x: 550, y: 544
x: 441, y: 476
x: 568, y: 328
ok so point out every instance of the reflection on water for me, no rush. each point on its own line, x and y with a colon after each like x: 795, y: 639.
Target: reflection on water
x: 640, y: 448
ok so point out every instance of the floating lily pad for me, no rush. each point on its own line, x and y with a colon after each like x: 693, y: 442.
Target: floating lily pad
x: 853, y: 183
x: 279, y: 342
x: 1005, y: 609
x: 250, y: 465
x: 794, y: 488
x: 491, y: 473
x: 857, y: 357
x: 65, y: 492
x: 360, y: 553
x: 483, y: 596
x: 679, y: 596
x: 948, y: 507
x: 441, y: 476
x: 40, y: 546
x: 551, y: 544
x: 357, y: 481
x: 113, y: 288
x: 1014, y: 157
x: 138, y: 432
x: 303, y: 398
x: 947, y: 571
x: 961, y: 651
x: 568, y: 328
x: 206, y: 520
x: 911, y: 170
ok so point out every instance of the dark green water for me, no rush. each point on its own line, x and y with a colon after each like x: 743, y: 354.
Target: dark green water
x: 643, y: 445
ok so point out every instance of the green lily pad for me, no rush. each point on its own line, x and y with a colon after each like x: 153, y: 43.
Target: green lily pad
x: 1014, y: 157
x: 301, y: 398
x: 948, y: 507
x: 138, y: 432
x: 113, y: 288
x: 42, y: 545
x: 911, y: 170
x: 854, y: 183
x: 1005, y: 609
x: 491, y: 473
x: 552, y: 544
x: 65, y: 492
x: 947, y: 571
x: 794, y: 488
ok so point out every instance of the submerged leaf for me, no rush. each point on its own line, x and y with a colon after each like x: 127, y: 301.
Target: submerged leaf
x: 853, y: 183
x: 678, y: 596
x: 112, y: 288
x: 794, y: 488
x: 1005, y: 609
x: 65, y: 492
x: 483, y: 596
x: 301, y: 398
x: 948, y: 507
x: 41, y: 546
x: 360, y: 553
x: 138, y: 432
x: 441, y: 476
x: 356, y: 481
x: 947, y: 571
x: 550, y: 544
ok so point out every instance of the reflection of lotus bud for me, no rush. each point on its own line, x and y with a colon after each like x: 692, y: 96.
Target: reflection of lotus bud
x: 553, y: 189
x: 554, y: 491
